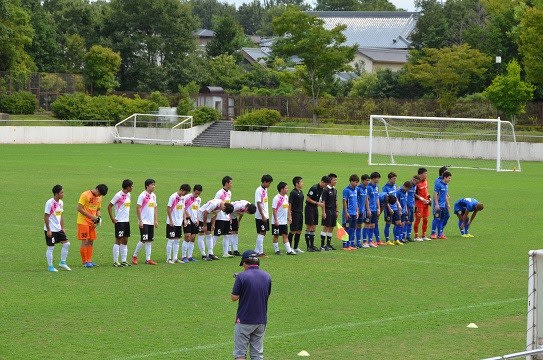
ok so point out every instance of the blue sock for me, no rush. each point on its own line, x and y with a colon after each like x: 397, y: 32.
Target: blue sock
x: 364, y: 234
x: 462, y: 231
x: 345, y: 244
x: 358, y: 236
x: 376, y: 232
x: 409, y: 229
x: 370, y: 234
x: 434, y: 225
x: 387, y: 231
x: 466, y: 228
x: 439, y: 227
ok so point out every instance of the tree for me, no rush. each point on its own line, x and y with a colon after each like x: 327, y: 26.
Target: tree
x: 250, y: 16
x: 228, y: 37
x: 337, y: 5
x: 206, y: 10
x: 447, y: 72
x: 101, y: 67
x: 15, y: 33
x: 223, y: 71
x: 376, y: 5
x: 530, y: 45
x: 320, y: 50
x: 74, y: 53
x: 508, y: 92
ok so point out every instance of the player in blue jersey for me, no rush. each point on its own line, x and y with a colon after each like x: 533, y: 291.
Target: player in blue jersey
x: 409, y: 210
x: 389, y: 188
x: 350, y: 211
x: 442, y: 205
x: 436, y: 181
x: 375, y: 209
x: 462, y: 208
x: 402, y: 194
x: 361, y: 233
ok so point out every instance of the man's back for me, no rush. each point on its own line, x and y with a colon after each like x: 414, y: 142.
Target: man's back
x: 253, y: 287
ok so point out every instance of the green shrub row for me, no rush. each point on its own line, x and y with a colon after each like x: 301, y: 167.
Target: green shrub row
x: 257, y: 120
x: 20, y: 102
x: 204, y: 115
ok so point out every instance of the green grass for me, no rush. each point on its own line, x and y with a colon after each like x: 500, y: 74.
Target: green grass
x: 410, y: 302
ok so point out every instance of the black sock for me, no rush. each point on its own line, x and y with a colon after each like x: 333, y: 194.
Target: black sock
x: 290, y: 235
x: 312, y: 239
x: 328, y: 240
x: 308, y: 239
x: 296, y: 240
x: 322, y: 240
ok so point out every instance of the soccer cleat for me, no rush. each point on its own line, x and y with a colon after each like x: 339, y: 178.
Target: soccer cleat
x: 93, y: 264
x: 191, y: 259
x: 298, y: 251
x: 425, y: 238
x: 64, y: 266
x: 390, y: 243
x: 465, y: 236
x: 278, y: 253
x: 442, y: 237
x: 330, y: 247
x: 204, y: 258
x: 116, y: 264
x: 316, y: 248
x: 433, y: 236
x: 88, y: 265
x: 150, y: 262
x: 228, y: 255
x: 179, y: 261
x: 365, y: 246
x: 134, y: 260
x: 292, y: 252
x: 408, y: 239
x: 398, y: 242
x: 170, y: 261
x: 471, y: 236
x: 184, y: 260
x: 310, y: 249
x: 51, y: 269
x: 418, y: 239
x: 125, y: 264
x: 236, y: 253
x: 379, y: 243
x: 371, y: 244
x: 212, y: 257
x: 324, y: 248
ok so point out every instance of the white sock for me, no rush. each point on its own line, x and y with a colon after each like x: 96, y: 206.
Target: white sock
x: 184, y: 249
x: 276, y: 246
x: 49, y: 255
x: 148, y: 251
x: 201, y: 245
x: 259, y: 248
x: 190, y: 249
x: 124, y: 252
x: 175, y: 249
x: 210, y: 243
x: 169, y: 245
x: 329, y: 235
x: 115, y: 253
x: 215, y: 239
x: 225, y: 244
x: 287, y: 247
x: 138, y: 248
x: 235, y: 240
x: 64, y: 251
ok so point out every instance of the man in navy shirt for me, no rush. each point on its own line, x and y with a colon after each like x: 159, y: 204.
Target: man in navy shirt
x: 350, y: 211
x: 375, y: 209
x: 252, y: 288
x: 442, y: 206
x: 462, y: 208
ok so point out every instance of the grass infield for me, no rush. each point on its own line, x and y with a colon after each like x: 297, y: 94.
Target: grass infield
x: 409, y: 302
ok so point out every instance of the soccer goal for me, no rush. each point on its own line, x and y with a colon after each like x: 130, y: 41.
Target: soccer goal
x: 154, y: 129
x: 469, y: 143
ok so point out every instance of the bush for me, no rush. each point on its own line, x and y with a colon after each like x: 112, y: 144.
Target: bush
x: 257, y: 119
x: 159, y: 99
x: 204, y: 115
x: 20, y: 102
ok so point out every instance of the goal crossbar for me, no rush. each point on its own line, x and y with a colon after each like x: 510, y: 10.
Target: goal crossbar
x: 169, y: 132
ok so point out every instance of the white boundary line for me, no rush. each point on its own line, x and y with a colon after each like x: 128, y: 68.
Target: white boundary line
x: 325, y: 329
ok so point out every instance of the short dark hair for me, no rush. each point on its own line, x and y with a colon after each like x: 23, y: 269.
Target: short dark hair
x: 149, y: 182
x: 392, y: 199
x: 251, y: 208
x: 126, y: 183
x: 266, y: 178
x: 332, y: 176
x: 326, y: 179
x: 226, y: 180
x: 354, y: 177
x: 408, y: 184
x: 375, y: 175
x: 56, y: 189
x: 228, y: 208
x: 365, y: 177
x: 442, y: 170
x: 416, y: 177
x: 281, y: 186
x: 197, y: 187
x: 446, y: 174
x: 296, y: 180
x: 102, y: 189
x: 185, y: 187
x: 392, y: 174
x: 422, y: 171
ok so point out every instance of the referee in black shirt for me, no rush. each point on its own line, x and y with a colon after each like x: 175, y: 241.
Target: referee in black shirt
x: 296, y: 208
x: 312, y: 203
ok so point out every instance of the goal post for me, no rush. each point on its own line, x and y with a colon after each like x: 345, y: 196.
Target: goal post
x: 154, y: 129
x: 470, y: 143
x: 534, y: 332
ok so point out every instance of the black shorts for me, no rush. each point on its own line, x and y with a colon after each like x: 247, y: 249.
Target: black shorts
x: 395, y: 216
x: 373, y: 218
x: 234, y: 225
x: 147, y: 233
x: 173, y: 232
x: 56, y: 237
x: 190, y: 228
x: 311, y: 215
x: 404, y: 217
x: 122, y: 229
x: 297, y: 222
x: 279, y: 229
x: 262, y: 226
x: 387, y: 215
x: 331, y: 218
x: 222, y: 227
x: 201, y: 226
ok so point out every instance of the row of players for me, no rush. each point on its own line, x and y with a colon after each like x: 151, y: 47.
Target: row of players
x: 221, y: 217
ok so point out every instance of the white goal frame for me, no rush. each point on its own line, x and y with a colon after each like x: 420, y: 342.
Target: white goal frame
x: 159, y: 130
x: 498, y: 124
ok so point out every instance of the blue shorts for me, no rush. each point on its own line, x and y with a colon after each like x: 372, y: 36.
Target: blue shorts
x: 395, y: 216
x: 373, y: 218
x: 411, y: 214
x: 352, y: 222
x: 459, y: 210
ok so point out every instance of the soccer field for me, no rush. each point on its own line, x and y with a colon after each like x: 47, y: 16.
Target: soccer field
x: 408, y: 302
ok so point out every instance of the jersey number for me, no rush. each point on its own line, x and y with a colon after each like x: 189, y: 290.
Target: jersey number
x: 145, y: 237
x: 172, y: 234
x: 275, y: 231
x: 120, y: 233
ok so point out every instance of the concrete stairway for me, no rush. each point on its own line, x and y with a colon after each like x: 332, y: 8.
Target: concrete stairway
x: 217, y: 135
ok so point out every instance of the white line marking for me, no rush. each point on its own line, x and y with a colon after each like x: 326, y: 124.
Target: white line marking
x: 325, y: 329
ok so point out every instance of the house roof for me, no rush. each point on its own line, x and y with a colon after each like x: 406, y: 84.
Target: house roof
x: 254, y: 54
x: 205, y: 33
x: 372, y: 29
x: 398, y: 56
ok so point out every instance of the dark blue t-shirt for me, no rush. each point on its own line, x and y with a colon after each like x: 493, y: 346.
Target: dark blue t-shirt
x: 253, y: 287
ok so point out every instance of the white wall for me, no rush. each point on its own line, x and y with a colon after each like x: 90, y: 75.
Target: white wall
x: 360, y: 144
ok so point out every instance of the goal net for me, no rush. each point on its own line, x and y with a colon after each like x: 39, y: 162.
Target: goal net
x: 154, y: 129
x: 488, y: 144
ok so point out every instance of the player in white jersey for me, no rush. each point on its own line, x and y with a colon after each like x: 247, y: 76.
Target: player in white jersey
x: 281, y: 219
x: 241, y: 207
x: 147, y: 221
x: 121, y: 221
x: 174, y: 223
x: 54, y: 229
x: 190, y: 228
x: 262, y: 218
x: 206, y: 218
x: 222, y: 221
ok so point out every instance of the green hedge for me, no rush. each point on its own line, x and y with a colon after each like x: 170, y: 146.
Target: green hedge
x: 257, y: 120
x: 20, y: 102
x: 112, y: 108
x: 204, y: 115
